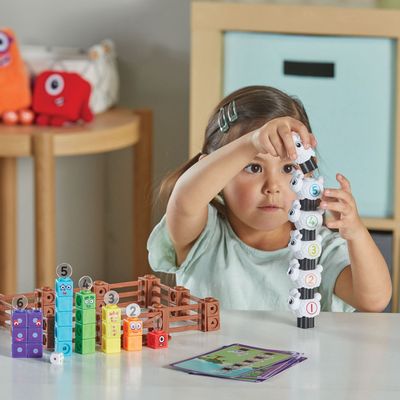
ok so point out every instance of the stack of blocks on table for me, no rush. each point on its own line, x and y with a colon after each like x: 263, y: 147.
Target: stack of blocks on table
x: 63, y: 316
x: 111, y: 329
x: 85, y: 322
x: 133, y: 333
x: 27, y: 333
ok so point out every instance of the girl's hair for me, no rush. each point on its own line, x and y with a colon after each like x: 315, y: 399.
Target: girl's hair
x: 255, y: 106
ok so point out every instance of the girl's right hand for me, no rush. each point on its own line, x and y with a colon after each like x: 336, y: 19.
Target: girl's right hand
x: 275, y: 137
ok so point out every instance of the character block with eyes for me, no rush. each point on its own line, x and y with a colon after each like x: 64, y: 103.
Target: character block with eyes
x: 111, y: 328
x: 85, y: 322
x: 310, y: 249
x: 64, y: 288
x: 308, y: 308
x: 133, y: 334
x: 15, y: 93
x: 309, y: 279
x: 27, y: 334
x: 309, y: 220
x: 157, y: 339
x: 60, y: 98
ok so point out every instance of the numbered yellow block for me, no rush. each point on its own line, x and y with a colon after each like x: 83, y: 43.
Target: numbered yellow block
x: 111, y: 330
x: 111, y: 313
x: 110, y: 345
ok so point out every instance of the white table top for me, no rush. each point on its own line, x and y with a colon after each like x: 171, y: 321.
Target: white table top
x: 350, y: 356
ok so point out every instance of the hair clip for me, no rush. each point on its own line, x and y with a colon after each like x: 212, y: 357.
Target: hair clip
x: 232, y: 114
x: 222, y: 122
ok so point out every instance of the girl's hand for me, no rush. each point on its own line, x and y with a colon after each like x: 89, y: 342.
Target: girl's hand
x: 341, y: 204
x: 275, y: 137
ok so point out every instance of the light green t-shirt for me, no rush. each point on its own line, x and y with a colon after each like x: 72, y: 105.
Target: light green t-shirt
x: 241, y: 277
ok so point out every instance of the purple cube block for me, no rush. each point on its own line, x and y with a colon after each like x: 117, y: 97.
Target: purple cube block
x: 19, y: 335
x: 19, y: 350
x: 35, y: 335
x: 34, y: 350
x: 19, y: 318
x: 35, y: 319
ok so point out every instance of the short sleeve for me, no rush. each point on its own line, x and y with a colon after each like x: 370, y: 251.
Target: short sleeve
x: 334, y: 258
x: 162, y: 256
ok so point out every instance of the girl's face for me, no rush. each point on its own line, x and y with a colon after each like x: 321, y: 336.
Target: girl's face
x: 259, y: 197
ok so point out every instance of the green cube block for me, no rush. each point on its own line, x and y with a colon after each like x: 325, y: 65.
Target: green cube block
x: 85, y: 316
x: 85, y: 300
x: 85, y: 346
x: 85, y: 331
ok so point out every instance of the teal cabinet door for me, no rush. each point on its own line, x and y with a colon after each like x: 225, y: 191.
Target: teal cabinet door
x: 347, y: 85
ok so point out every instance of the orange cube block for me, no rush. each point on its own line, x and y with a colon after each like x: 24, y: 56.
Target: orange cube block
x: 132, y: 343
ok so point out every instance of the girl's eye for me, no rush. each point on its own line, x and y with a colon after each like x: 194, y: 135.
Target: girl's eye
x: 289, y: 168
x: 253, y: 168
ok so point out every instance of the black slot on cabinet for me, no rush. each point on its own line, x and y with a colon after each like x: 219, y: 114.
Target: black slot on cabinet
x: 306, y: 68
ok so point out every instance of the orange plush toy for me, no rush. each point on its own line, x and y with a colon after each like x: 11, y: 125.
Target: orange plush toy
x: 15, y: 94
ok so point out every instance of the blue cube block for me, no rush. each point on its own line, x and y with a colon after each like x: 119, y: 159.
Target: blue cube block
x: 63, y: 333
x: 64, y: 287
x: 63, y: 304
x: 63, y: 318
x: 63, y: 347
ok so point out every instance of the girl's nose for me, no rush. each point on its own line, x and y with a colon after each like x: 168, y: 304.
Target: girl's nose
x: 271, y: 187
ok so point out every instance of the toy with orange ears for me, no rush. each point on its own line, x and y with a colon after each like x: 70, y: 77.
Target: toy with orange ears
x: 61, y: 98
x: 15, y: 93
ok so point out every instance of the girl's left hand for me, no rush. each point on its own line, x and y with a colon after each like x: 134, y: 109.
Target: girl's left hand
x: 341, y: 204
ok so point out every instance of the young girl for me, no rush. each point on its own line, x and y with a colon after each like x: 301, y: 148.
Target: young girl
x: 226, y: 229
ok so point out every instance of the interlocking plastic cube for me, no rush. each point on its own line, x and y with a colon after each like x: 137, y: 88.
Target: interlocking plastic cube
x: 85, y: 316
x: 63, y: 304
x: 86, y: 331
x: 20, y: 334
x: 34, y: 319
x: 132, y: 326
x: 157, y: 339
x: 63, y: 318
x: 19, y: 318
x: 35, y: 335
x: 63, y: 333
x: 63, y: 347
x: 111, y: 313
x: 64, y: 287
x: 111, y: 329
x: 85, y: 300
x: 34, y: 350
x: 111, y: 345
x: 132, y: 343
x: 19, y: 350
x: 85, y: 346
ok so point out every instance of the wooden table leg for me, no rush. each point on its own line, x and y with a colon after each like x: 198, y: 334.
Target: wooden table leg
x: 45, y: 233
x: 8, y: 225
x: 142, y: 203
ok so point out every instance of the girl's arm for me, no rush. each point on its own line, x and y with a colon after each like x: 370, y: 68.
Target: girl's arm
x: 186, y: 214
x: 366, y: 283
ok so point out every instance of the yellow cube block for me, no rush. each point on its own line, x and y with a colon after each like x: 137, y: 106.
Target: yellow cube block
x: 110, y: 329
x: 111, y: 313
x: 110, y: 345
